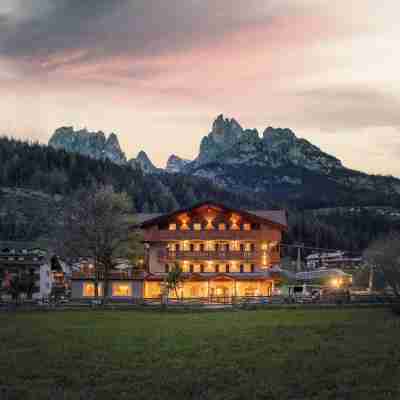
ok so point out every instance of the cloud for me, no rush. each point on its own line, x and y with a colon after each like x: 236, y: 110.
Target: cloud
x: 76, y: 31
x: 350, y: 107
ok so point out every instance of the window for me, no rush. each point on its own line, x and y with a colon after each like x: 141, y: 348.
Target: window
x: 172, y: 227
x: 227, y: 268
x: 222, y: 227
x: 252, y: 247
x: 202, y: 268
x: 253, y: 268
x: 121, y: 290
x: 166, y: 268
x: 217, y: 268
x: 197, y: 226
x: 202, y: 247
x: 192, y: 247
x: 191, y: 268
x: 246, y: 227
x: 177, y: 247
x: 241, y: 268
x: 241, y: 247
x: 89, y: 289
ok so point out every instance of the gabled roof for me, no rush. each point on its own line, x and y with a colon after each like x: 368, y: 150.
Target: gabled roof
x: 272, y: 217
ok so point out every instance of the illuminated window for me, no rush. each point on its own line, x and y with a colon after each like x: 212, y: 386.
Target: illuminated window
x: 209, y: 246
x: 172, y: 227
x: 89, y: 289
x: 197, y: 226
x: 246, y: 227
x: 185, y: 227
x: 185, y: 267
x: 222, y: 227
x: 121, y: 290
x: 209, y: 225
x: 235, y: 222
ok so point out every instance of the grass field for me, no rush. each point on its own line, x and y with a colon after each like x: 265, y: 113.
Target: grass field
x: 282, y: 354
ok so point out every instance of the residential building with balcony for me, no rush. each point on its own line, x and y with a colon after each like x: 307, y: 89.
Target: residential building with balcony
x: 23, y: 260
x: 223, y: 253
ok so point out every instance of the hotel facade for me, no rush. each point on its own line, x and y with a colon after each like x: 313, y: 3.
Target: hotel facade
x: 223, y: 253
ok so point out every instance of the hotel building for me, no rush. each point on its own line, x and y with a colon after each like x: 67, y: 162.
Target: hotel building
x: 223, y: 253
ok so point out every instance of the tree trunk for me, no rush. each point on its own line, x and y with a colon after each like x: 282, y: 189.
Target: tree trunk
x: 106, y: 283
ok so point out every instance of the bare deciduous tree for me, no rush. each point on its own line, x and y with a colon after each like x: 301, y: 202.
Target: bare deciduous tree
x: 97, y: 225
x: 384, y: 255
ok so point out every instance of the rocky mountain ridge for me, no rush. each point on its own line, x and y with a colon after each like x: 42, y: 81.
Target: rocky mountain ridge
x: 277, y: 164
x: 176, y: 164
x: 92, y: 144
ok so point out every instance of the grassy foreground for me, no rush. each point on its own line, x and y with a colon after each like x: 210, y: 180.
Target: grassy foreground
x: 282, y: 354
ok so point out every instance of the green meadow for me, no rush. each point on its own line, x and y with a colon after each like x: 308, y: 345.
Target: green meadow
x: 280, y: 354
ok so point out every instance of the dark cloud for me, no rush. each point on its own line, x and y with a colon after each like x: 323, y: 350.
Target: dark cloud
x: 108, y: 27
x: 351, y: 107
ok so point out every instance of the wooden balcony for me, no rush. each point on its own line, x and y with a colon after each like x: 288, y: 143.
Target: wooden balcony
x: 165, y: 256
x: 121, y: 275
x: 255, y: 235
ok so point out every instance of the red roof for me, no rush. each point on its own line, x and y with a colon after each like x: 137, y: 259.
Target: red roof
x: 277, y: 218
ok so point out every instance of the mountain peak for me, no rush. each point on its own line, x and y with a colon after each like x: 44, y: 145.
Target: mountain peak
x: 176, y: 164
x: 281, y: 133
x: 91, y: 144
x: 225, y: 129
x: 143, y: 161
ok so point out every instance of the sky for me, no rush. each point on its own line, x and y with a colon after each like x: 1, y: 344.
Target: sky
x: 158, y: 72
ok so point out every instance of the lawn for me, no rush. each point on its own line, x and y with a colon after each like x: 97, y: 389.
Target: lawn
x: 282, y: 354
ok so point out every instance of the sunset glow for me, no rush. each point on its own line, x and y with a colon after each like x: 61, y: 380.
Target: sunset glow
x: 158, y: 72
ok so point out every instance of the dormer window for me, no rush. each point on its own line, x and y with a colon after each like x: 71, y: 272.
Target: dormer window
x: 197, y: 226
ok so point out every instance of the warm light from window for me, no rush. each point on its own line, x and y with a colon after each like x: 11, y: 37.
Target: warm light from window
x: 197, y: 227
x: 89, y: 289
x: 247, y: 227
x: 184, y: 222
x: 172, y: 227
x: 209, y: 225
x: 209, y: 246
x: 121, y: 290
x: 222, y: 227
x: 234, y: 220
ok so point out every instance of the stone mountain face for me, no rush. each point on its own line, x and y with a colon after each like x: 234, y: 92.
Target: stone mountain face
x: 176, y: 165
x: 92, y: 144
x: 229, y: 143
x: 276, y: 165
x: 143, y: 161
x: 282, y: 166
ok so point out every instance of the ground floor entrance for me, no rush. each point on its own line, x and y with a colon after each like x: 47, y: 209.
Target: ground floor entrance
x: 217, y: 290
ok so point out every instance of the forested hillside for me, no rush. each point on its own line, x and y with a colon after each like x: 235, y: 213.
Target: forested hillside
x: 36, y: 181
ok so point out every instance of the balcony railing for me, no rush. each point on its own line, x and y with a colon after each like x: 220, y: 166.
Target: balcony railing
x: 122, y: 275
x: 166, y: 256
x: 256, y: 235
